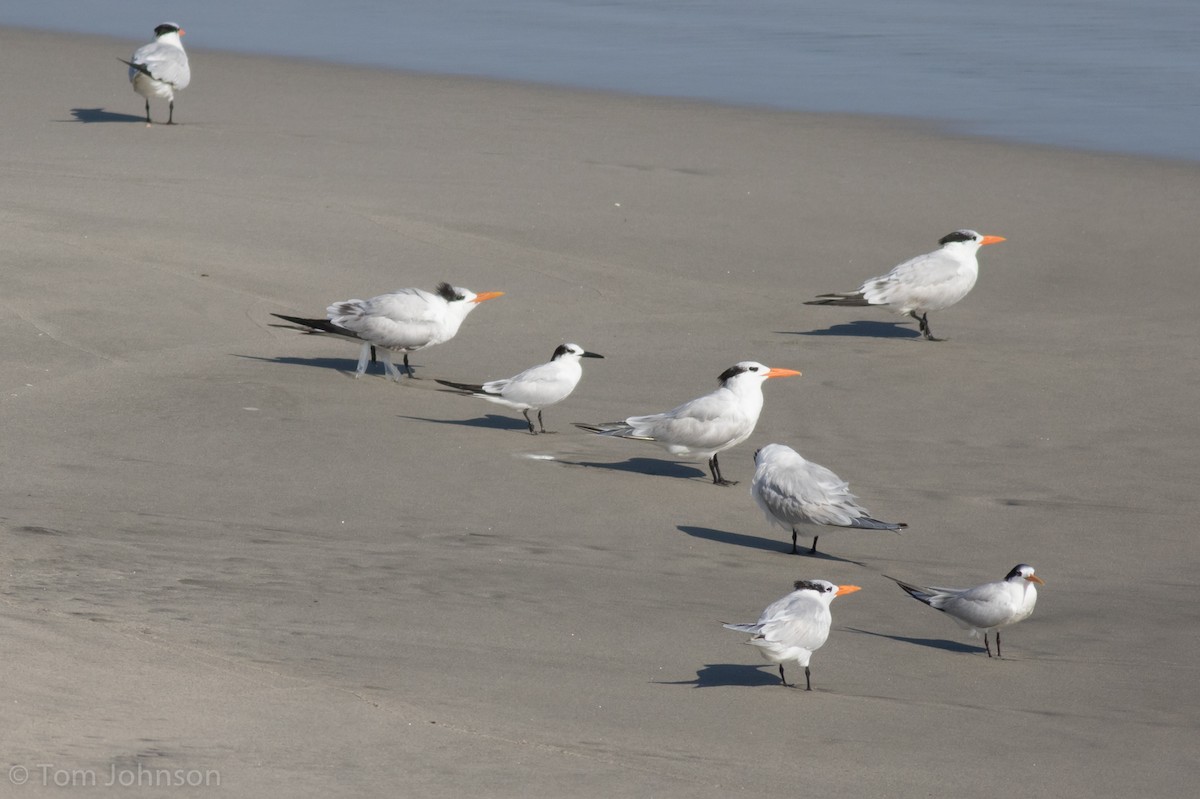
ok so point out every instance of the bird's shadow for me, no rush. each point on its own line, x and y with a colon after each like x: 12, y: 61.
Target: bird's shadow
x: 758, y: 542
x: 490, y: 421
x: 649, y: 466
x: 932, y: 643
x: 87, y: 115
x: 861, y: 328
x: 344, y: 365
x: 715, y: 675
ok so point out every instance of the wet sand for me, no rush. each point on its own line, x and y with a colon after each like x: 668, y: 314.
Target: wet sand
x: 221, y: 555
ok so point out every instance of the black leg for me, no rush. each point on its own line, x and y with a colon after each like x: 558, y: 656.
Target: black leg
x: 814, y: 548
x: 408, y: 368
x: 807, y: 679
x: 147, y: 110
x: 715, y: 468
x: 997, y: 643
x: 525, y: 413
x: 988, y: 646
x: 794, y: 550
x: 924, y: 320
x: 373, y: 358
x: 170, y: 112
x: 782, y: 679
x: 541, y: 425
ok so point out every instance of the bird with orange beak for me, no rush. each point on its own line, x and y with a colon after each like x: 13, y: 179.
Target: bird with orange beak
x: 930, y: 282
x: 706, y: 425
x: 795, y: 626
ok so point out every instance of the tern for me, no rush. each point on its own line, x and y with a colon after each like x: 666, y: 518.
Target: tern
x: 706, y: 425
x: 930, y: 282
x: 536, y: 388
x: 404, y: 321
x: 793, y: 491
x: 986, y: 607
x: 794, y: 627
x: 160, y: 69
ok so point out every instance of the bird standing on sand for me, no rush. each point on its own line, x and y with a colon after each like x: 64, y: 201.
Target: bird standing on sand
x: 536, y: 388
x: 706, y: 425
x: 404, y: 321
x: 986, y: 607
x: 793, y: 491
x: 929, y: 282
x: 794, y: 627
x: 160, y: 69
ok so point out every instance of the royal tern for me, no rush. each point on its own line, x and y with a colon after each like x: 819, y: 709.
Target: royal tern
x: 706, y: 425
x: 929, y: 282
x: 404, y: 321
x: 793, y: 491
x: 160, y: 69
x: 986, y: 607
x: 794, y: 627
x: 537, y: 387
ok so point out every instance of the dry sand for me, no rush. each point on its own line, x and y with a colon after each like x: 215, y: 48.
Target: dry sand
x: 225, y: 560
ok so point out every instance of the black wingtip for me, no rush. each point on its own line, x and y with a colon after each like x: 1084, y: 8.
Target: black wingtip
x: 469, y: 388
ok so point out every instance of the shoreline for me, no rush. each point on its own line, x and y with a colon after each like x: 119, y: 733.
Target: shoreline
x: 944, y: 127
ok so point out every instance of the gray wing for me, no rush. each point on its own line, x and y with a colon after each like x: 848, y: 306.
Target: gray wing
x: 161, y: 62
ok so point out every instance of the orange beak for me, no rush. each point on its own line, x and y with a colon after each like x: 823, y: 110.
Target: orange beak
x: 991, y: 240
x: 847, y: 589
x: 1033, y: 578
x: 783, y: 373
x: 487, y: 295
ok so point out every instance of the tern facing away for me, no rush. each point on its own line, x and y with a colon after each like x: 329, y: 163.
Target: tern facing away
x: 794, y: 627
x: 930, y: 282
x: 793, y: 492
x: 536, y: 388
x: 986, y: 607
x: 160, y: 69
x: 404, y: 321
x: 706, y: 425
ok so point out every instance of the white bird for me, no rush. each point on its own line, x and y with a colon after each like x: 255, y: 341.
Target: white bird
x: 930, y: 282
x: 987, y: 607
x: 160, y: 69
x: 706, y: 425
x: 404, y: 321
x: 536, y: 388
x: 794, y: 627
x: 793, y: 491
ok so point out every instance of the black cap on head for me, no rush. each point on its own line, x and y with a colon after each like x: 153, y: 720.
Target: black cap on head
x: 167, y: 27
x: 959, y: 235
x: 448, y: 293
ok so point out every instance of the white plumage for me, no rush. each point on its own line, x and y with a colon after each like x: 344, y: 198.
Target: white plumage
x: 795, y: 493
x: 930, y: 282
x: 536, y: 388
x: 794, y: 627
x: 706, y: 425
x: 984, y: 608
x: 159, y: 69
x: 403, y: 321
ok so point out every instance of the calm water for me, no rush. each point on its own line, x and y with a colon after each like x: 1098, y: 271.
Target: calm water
x: 1115, y: 75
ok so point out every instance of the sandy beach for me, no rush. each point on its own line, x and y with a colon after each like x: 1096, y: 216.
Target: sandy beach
x: 228, y: 568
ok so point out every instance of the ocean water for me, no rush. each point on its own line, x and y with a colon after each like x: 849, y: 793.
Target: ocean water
x: 1108, y: 75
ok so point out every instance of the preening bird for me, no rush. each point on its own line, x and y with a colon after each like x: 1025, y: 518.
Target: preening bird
x: 536, y: 388
x: 160, y: 69
x: 930, y: 282
x: 794, y: 493
x: 984, y: 608
x: 706, y: 425
x: 794, y: 627
x: 404, y: 321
